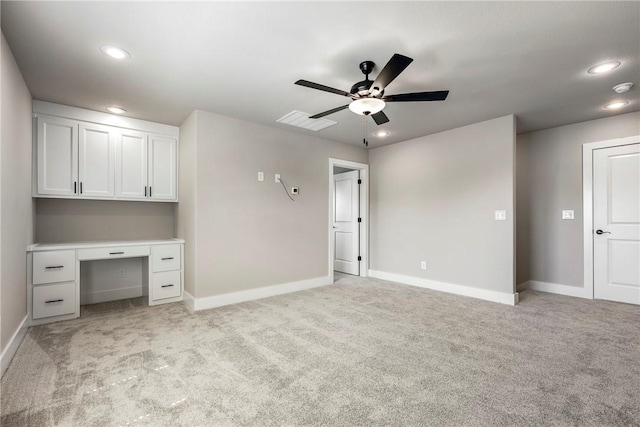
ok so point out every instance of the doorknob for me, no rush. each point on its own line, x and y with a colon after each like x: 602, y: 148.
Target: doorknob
x: 602, y: 232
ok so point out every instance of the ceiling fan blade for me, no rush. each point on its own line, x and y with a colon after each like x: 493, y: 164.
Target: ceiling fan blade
x: 440, y: 95
x: 394, y: 67
x: 380, y: 118
x: 317, y: 86
x: 326, y: 113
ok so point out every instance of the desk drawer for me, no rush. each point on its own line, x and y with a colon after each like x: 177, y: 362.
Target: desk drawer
x: 166, y: 258
x: 113, y: 252
x: 54, y: 266
x: 166, y: 285
x: 54, y: 300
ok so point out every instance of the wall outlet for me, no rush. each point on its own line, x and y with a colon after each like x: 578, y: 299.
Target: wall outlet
x: 277, y: 177
x: 260, y: 176
x: 501, y: 215
x: 423, y: 265
x: 568, y: 215
x: 122, y: 273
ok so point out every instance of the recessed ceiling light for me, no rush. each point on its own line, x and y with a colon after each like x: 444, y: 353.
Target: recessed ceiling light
x: 114, y: 52
x: 604, y: 67
x: 382, y: 133
x: 615, y: 105
x: 116, y: 110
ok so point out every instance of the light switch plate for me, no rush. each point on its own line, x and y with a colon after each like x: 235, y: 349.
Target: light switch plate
x: 260, y: 176
x: 568, y: 214
x: 501, y: 215
x: 277, y: 177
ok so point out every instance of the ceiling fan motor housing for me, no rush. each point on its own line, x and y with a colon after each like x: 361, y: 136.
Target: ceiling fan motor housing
x: 363, y: 88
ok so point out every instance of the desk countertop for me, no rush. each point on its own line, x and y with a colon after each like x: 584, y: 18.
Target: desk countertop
x: 36, y: 247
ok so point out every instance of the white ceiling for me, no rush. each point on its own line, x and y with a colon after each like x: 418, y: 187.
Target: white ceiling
x: 241, y: 59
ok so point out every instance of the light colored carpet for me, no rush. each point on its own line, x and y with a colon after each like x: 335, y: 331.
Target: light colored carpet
x: 361, y: 352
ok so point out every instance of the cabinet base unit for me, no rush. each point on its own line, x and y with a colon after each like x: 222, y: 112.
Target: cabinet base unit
x: 54, y: 280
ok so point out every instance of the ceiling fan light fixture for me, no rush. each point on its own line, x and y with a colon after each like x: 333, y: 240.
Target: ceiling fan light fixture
x: 367, y: 106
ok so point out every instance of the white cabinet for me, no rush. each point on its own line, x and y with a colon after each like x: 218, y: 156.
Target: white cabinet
x: 131, y: 170
x: 54, y: 282
x: 97, y: 162
x: 146, y: 167
x: 81, y: 159
x: 57, y: 156
x: 166, y: 274
x: 163, y: 162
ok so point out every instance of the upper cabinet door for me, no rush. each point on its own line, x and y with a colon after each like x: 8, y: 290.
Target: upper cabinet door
x: 163, y: 168
x: 96, y: 161
x: 57, y: 156
x: 131, y: 165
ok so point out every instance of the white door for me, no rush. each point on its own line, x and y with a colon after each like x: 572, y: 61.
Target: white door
x: 163, y: 167
x: 96, y: 160
x: 346, y: 228
x: 57, y: 156
x: 131, y: 165
x: 616, y: 223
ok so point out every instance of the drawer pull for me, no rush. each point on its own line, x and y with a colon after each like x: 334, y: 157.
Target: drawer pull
x: 116, y: 253
x: 166, y: 286
x: 167, y: 258
x: 54, y: 267
x: 53, y: 300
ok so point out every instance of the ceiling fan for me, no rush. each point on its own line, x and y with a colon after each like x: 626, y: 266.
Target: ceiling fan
x: 368, y: 96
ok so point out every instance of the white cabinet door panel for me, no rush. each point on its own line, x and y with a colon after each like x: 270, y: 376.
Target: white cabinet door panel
x: 131, y: 165
x: 96, y: 161
x: 57, y: 156
x: 163, y: 163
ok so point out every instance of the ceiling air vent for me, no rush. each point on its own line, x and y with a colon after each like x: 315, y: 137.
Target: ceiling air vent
x: 302, y: 120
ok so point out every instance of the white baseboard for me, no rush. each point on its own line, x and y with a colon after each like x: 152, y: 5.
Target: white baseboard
x: 189, y: 301
x: 110, y: 295
x: 555, y: 288
x: 14, y: 343
x: 258, y: 293
x: 467, y: 291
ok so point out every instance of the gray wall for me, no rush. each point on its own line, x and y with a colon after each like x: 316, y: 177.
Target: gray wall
x: 186, y: 210
x: 249, y: 234
x: 62, y: 220
x: 550, y: 180
x: 433, y: 198
x: 16, y: 211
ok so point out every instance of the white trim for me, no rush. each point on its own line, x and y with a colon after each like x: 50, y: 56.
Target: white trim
x: 556, y: 288
x: 364, y: 213
x: 587, y: 204
x: 189, y: 302
x: 258, y: 293
x: 110, y: 295
x: 14, y: 343
x: 59, y: 110
x: 467, y: 291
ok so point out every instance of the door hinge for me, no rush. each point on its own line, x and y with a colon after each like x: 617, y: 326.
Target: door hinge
x: 359, y: 181
x: 359, y: 219
x: 359, y: 258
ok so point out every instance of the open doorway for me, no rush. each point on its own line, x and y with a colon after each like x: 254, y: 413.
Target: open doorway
x: 348, y: 217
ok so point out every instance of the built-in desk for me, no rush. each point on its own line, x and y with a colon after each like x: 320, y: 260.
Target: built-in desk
x: 53, y: 273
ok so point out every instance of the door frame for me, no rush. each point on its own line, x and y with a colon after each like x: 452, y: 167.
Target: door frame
x: 587, y: 203
x: 364, y: 213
